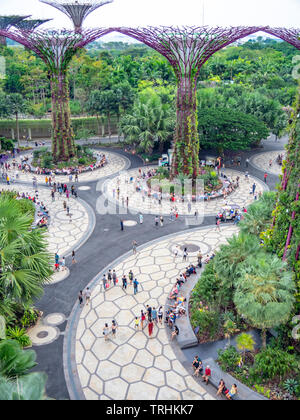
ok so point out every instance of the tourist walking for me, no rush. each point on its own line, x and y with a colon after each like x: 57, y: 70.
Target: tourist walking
x: 160, y: 315
x: 265, y: 177
x: 73, y: 258
x: 87, y: 295
x: 143, y: 318
x: 114, y: 277
x: 141, y: 219
x: 150, y: 328
x: 122, y: 224
x: 185, y: 254
x: 104, y: 282
x: 134, y: 245
x: 114, y: 328
x: 253, y: 188
x: 161, y: 221
x: 135, y: 286
x: 106, y: 332
x: 154, y: 315
x: 80, y: 298
x: 124, y: 282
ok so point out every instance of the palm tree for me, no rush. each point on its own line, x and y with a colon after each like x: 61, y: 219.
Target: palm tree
x: 148, y: 122
x: 245, y: 342
x: 259, y: 215
x: 230, y: 328
x: 230, y: 257
x: 25, y: 264
x: 265, y: 292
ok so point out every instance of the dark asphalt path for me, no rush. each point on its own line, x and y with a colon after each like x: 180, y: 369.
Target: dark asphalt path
x: 106, y: 244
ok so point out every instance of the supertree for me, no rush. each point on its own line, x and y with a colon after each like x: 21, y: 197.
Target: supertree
x: 284, y: 235
x: 7, y: 22
x: 77, y: 10
x: 187, y: 49
x: 56, y: 49
x: 30, y: 24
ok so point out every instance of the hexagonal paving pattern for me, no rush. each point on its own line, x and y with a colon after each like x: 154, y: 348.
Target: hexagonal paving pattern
x: 131, y: 365
x: 140, y: 202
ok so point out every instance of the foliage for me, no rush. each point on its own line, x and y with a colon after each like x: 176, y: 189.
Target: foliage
x: 207, y: 321
x: 270, y: 363
x: 18, y: 334
x: 14, y: 361
x: 224, y: 129
x: 229, y: 358
x: 245, y: 342
x: 25, y: 261
x: 27, y: 388
x: 264, y: 292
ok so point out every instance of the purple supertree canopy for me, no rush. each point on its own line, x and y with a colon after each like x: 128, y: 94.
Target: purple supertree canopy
x: 30, y: 24
x: 77, y: 10
x: 187, y: 48
x: 292, y: 36
x: 55, y: 48
x: 7, y: 21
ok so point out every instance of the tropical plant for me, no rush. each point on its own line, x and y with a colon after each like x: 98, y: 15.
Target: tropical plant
x: 229, y: 358
x: 245, y: 342
x: 27, y: 388
x: 24, y: 260
x: 230, y: 328
x: 149, y: 121
x: 264, y: 293
x: 291, y: 386
x: 14, y: 361
x: 18, y: 334
x: 271, y: 363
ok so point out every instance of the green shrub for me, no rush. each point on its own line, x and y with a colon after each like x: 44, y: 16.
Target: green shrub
x: 271, y: 363
x: 82, y: 161
x: 291, y: 386
x: 207, y: 321
x: 228, y: 359
x: 29, y: 318
x: 18, y: 334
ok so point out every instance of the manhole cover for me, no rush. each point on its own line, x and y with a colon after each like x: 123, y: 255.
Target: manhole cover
x: 190, y: 247
x: 42, y: 334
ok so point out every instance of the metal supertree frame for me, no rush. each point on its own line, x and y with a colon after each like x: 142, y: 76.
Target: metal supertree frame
x: 30, y: 24
x: 187, y: 49
x: 56, y: 49
x: 6, y: 22
x: 77, y: 10
x: 290, y: 187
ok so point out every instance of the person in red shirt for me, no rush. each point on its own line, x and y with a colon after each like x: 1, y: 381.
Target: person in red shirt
x: 206, y: 375
x: 265, y: 177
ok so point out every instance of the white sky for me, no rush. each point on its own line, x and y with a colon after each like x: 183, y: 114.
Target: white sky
x: 169, y: 12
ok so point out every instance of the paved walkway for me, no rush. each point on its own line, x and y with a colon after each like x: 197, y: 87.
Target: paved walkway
x: 64, y: 233
x: 262, y: 160
x: 138, y: 202
x: 116, y: 163
x: 132, y: 366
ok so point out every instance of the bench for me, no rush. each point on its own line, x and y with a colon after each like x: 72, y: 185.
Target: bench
x: 186, y: 337
x: 244, y: 393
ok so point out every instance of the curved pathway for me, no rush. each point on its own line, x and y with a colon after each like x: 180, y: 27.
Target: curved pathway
x: 116, y: 163
x: 138, y: 202
x: 64, y: 233
x: 132, y: 366
x: 105, y: 244
x: 261, y: 161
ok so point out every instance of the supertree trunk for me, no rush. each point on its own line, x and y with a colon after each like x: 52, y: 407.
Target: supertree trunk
x: 285, y: 231
x: 186, y: 141
x: 63, y: 145
x: 3, y: 41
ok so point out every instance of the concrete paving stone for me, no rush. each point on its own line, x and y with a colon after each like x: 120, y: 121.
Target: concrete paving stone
x: 90, y: 395
x: 175, y: 381
x: 96, y: 385
x: 144, y: 358
x: 108, y: 370
x: 154, y: 377
x: 161, y: 362
x: 124, y: 355
x: 103, y: 350
x: 169, y: 394
x: 142, y: 391
x: 116, y: 389
x: 90, y: 362
x: 132, y: 373
x: 87, y: 340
